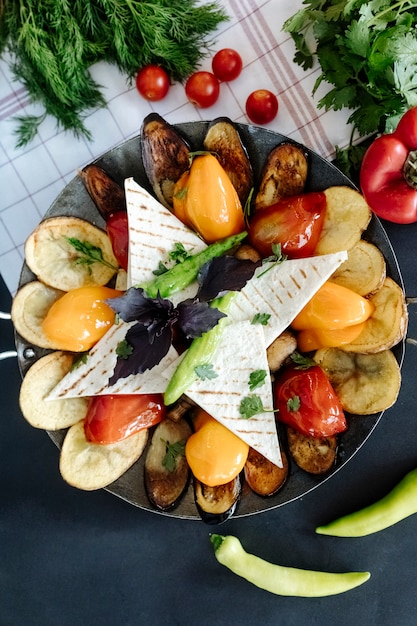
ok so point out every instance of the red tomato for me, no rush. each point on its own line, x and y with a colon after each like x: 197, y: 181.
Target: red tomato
x: 227, y: 64
x: 152, y: 82
x: 202, y: 89
x: 112, y: 418
x: 261, y: 106
x: 307, y: 402
x: 118, y: 232
x: 295, y: 223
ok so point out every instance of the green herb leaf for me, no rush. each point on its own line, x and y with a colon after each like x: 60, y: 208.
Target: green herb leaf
x: 179, y: 254
x: 173, y: 451
x: 124, y: 349
x: 250, y: 406
x: 161, y: 269
x: 89, y: 254
x: 294, y: 403
x: 205, y: 371
x: 275, y: 259
x: 302, y: 362
x: 261, y: 318
x: 256, y: 379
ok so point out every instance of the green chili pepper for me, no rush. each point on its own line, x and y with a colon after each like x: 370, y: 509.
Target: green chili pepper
x: 283, y: 581
x: 183, y: 274
x: 200, y: 352
x: 399, y: 503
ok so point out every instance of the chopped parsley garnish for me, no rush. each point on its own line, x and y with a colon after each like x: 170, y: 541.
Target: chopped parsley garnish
x: 250, y: 406
x: 172, y: 452
x: 205, y: 371
x: 261, y: 318
x: 276, y: 258
x: 89, y: 254
x: 294, y: 403
x: 257, y: 379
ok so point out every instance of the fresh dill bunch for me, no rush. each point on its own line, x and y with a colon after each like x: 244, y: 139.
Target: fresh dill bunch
x: 53, y: 45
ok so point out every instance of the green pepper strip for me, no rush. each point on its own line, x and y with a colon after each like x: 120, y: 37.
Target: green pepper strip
x: 183, y: 274
x: 200, y: 352
x: 280, y: 580
x: 399, y: 503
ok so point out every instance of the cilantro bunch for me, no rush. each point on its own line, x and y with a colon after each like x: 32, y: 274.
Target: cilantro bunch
x: 367, y: 52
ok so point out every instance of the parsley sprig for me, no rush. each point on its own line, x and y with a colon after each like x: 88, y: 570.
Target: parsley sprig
x: 367, y: 52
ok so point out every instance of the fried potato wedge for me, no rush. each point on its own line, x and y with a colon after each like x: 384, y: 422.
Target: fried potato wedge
x: 166, y: 468
x: 315, y: 455
x: 364, y: 271
x: 263, y: 477
x: 284, y: 174
x: 29, y: 308
x: 387, y: 324
x: 347, y: 216
x: 365, y: 383
x: 223, y: 139
x: 40, y: 379
x: 91, y: 466
x: 57, y: 263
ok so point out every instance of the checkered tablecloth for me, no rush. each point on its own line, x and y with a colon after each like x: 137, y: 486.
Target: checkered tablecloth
x: 32, y: 177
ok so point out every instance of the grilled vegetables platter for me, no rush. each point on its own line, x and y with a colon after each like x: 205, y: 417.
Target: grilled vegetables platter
x: 186, y: 305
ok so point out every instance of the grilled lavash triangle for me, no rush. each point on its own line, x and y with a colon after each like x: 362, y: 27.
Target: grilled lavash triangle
x: 241, y: 351
x: 282, y: 290
x: 91, y: 375
x: 153, y: 233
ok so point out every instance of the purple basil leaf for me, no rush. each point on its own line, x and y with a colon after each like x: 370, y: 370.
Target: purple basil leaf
x: 144, y: 356
x: 135, y: 305
x: 196, y: 318
x: 223, y: 274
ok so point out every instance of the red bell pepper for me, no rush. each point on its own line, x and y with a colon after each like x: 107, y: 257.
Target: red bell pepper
x: 388, y: 176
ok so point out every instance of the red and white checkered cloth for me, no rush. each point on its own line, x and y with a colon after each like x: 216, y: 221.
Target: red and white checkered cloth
x: 32, y: 177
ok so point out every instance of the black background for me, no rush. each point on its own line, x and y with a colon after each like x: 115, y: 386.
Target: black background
x: 69, y: 557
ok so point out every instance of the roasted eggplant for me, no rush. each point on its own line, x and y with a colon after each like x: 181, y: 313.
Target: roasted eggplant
x: 216, y: 504
x: 106, y: 193
x: 315, y: 455
x: 165, y: 155
x: 166, y: 468
x: 263, y: 477
x: 223, y: 139
x: 284, y: 174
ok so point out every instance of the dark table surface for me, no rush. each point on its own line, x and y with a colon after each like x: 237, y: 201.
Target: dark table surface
x: 69, y: 557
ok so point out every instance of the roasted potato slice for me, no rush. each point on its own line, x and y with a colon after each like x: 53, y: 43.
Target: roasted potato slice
x: 364, y: 270
x: 365, y: 383
x: 106, y: 193
x: 40, y: 379
x: 263, y: 477
x: 388, y: 323
x: 315, y: 455
x: 57, y: 262
x: 29, y: 308
x: 280, y: 349
x: 165, y: 156
x: 91, y: 466
x: 223, y: 139
x: 166, y: 468
x: 347, y: 216
x: 284, y: 174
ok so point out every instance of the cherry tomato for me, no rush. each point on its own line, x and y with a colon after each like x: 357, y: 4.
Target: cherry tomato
x: 152, y: 82
x: 118, y: 231
x: 261, y: 106
x: 307, y: 402
x: 112, y: 418
x: 202, y: 89
x: 227, y: 64
x: 295, y: 223
x: 80, y: 318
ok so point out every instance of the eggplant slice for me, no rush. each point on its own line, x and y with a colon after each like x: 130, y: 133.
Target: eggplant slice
x: 166, y: 469
x: 284, y: 175
x: 106, y: 193
x: 263, y: 477
x: 217, y: 504
x: 223, y: 139
x: 165, y: 155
